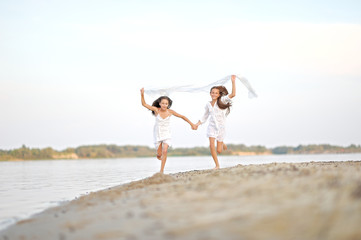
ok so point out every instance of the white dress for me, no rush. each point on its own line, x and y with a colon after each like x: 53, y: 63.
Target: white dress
x: 216, y: 128
x: 162, y: 131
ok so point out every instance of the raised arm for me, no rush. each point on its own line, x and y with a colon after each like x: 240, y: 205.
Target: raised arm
x: 152, y: 108
x: 194, y: 127
x: 233, y: 93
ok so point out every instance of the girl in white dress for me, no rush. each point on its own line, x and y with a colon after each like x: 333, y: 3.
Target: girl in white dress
x: 162, y: 133
x: 217, y: 110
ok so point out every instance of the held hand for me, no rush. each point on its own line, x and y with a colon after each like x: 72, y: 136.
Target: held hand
x: 198, y: 123
x: 142, y: 91
x: 233, y: 78
x: 194, y: 127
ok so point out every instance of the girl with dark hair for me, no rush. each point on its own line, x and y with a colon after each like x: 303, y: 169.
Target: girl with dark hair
x: 162, y: 134
x: 218, y: 109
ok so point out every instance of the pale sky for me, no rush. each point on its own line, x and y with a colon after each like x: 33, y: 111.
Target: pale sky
x: 70, y: 71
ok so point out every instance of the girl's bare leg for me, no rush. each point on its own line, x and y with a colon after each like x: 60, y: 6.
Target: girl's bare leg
x: 164, y: 157
x: 159, y: 151
x: 212, y: 147
x: 221, y: 146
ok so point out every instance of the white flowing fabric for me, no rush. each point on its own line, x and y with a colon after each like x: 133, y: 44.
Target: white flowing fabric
x: 191, y: 89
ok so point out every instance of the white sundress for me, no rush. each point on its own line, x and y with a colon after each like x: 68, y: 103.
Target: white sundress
x: 217, y: 121
x: 162, y: 132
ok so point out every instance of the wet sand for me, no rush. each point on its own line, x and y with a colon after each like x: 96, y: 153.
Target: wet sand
x: 317, y: 200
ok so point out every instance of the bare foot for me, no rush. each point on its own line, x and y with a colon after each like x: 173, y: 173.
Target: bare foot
x: 159, y: 157
x: 225, y: 147
x: 216, y: 167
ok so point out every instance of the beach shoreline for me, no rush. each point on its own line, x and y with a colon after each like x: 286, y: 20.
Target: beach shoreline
x: 315, y: 200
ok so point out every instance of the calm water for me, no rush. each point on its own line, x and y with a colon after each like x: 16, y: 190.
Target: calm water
x: 29, y: 187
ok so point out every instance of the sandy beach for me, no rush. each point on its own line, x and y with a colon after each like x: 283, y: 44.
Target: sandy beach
x: 317, y: 200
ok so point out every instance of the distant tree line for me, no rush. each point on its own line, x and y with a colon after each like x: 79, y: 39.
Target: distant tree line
x: 316, y: 149
x: 114, y: 151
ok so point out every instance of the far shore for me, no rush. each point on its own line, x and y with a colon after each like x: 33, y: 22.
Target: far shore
x: 134, y: 151
x: 74, y: 156
x: 315, y: 200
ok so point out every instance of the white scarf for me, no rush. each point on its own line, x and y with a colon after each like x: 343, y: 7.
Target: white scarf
x: 191, y: 88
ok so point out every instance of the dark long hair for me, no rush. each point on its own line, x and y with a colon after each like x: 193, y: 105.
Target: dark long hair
x: 156, y: 103
x: 222, y: 92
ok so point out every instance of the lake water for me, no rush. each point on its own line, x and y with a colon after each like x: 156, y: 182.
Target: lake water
x: 29, y: 187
